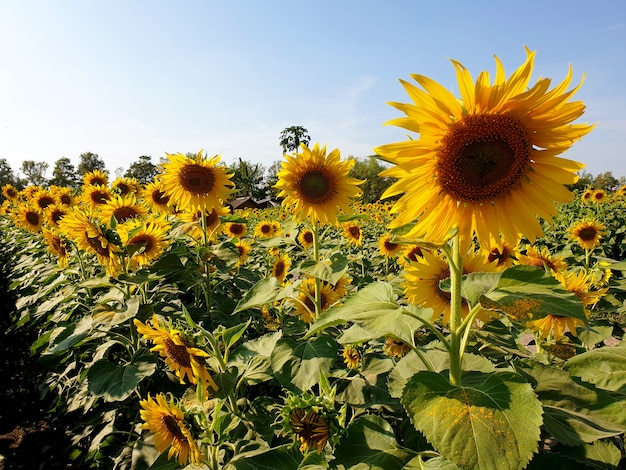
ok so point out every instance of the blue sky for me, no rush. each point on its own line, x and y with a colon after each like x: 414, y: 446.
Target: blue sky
x: 146, y: 77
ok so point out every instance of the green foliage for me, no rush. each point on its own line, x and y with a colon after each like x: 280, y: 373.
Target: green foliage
x: 143, y: 170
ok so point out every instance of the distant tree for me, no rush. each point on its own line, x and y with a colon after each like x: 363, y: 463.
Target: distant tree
x: 292, y: 137
x: 248, y: 179
x: 8, y: 177
x: 35, y: 172
x: 143, y: 170
x: 606, y: 181
x: 64, y: 174
x: 368, y: 169
x: 271, y: 178
x: 89, y: 162
x: 585, y: 180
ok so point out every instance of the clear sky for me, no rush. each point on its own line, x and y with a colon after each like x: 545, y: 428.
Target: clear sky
x: 124, y: 78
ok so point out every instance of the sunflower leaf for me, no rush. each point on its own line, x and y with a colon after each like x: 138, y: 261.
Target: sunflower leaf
x: 116, y: 383
x: 604, y: 367
x: 492, y: 421
x: 261, y: 293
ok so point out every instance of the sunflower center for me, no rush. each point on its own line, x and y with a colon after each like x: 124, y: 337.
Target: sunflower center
x: 66, y: 199
x: 587, y: 234
x: 159, y: 197
x: 308, y: 237
x: 390, y: 246
x: 45, y: 201
x: 355, y: 232
x: 482, y: 157
x: 99, y: 246
x: 316, y: 186
x: 32, y: 218
x: 124, y: 213
x: 197, y: 179
x: 266, y: 228
x: 280, y: 268
x: 177, y: 352
x: 171, y: 424
x: 100, y: 197
x: 237, y: 229
x: 143, y: 240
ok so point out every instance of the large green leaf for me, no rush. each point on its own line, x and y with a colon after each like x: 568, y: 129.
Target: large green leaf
x: 297, y: 364
x: 263, y: 292
x: 525, y: 292
x: 107, y: 316
x: 376, y: 312
x: 604, y: 367
x: 330, y: 269
x: 370, y: 443
x: 575, y: 413
x: 285, y: 457
x: 490, y: 422
x: 369, y: 387
x: 116, y: 383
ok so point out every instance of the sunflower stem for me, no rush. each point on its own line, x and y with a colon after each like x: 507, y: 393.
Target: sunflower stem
x: 318, y: 281
x: 455, y: 262
x: 207, y: 271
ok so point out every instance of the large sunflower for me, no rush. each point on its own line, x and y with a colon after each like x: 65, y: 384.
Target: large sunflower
x: 167, y: 421
x: 95, y: 196
x: 315, y: 185
x: 587, y: 233
x: 487, y: 163
x: 155, y: 198
x: 195, y: 183
x: 123, y: 208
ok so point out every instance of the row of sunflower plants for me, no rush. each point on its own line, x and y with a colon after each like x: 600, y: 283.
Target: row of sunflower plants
x: 470, y: 324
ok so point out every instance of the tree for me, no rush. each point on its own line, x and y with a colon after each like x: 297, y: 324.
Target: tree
x: 89, y: 162
x: 368, y: 169
x: 35, y: 172
x: 143, y: 170
x: 606, y: 181
x: 248, y: 179
x: 292, y: 137
x: 64, y: 174
x: 8, y: 177
x: 271, y: 178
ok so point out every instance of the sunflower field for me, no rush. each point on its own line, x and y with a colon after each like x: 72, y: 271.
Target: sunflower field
x: 471, y: 319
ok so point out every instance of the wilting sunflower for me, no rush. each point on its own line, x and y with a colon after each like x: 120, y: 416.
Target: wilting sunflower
x: 123, y: 208
x: 387, y: 248
x: 305, y: 237
x: 423, y: 278
x: 124, y: 186
x: 167, y: 421
x: 195, y: 183
x: 182, y: 357
x: 280, y: 269
x: 95, y: 196
x: 144, y: 241
x: 235, y: 229
x: 351, y: 357
x: 95, y: 178
x: 542, y: 258
x: 10, y: 192
x: 56, y: 246
x: 587, y: 233
x: 315, y: 186
x: 485, y: 163
x: 395, y: 348
x: 587, y: 196
x: 28, y: 217
x: 353, y: 233
x: 155, y: 198
x: 304, y: 303
x: 598, y: 196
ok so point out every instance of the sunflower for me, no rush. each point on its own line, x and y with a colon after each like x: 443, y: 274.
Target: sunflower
x: 554, y: 326
x: 353, y: 233
x: 124, y: 186
x: 167, y: 421
x: 96, y: 178
x: 310, y: 428
x: 94, y: 196
x: 395, y: 348
x: 583, y: 285
x: 28, y: 217
x: 195, y: 183
x: 276, y: 228
x: 211, y: 217
x: 487, y: 163
x: 264, y: 229
x: 305, y: 237
x: 410, y: 254
x: 315, y: 185
x: 542, y: 258
x: 587, y: 196
x: 10, y: 192
x: 43, y: 198
x: 505, y: 254
x: 244, y: 250
x: 620, y: 193
x: 387, y: 248
x: 123, y: 208
x: 305, y: 305
x: 145, y: 242
x: 422, y: 283
x: 183, y: 358
x: 587, y: 233
x: 64, y: 196
x: 56, y: 246
x: 155, y: 198
x: 598, y: 196
x: 351, y: 357
x: 341, y: 286
x: 53, y: 214
x: 235, y: 229
x: 281, y: 266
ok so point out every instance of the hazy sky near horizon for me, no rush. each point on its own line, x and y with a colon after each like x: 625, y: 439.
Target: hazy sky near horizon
x: 145, y: 77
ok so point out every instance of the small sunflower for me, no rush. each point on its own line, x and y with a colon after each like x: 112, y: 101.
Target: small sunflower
x: 305, y: 238
x: 598, y: 196
x: 554, y: 326
x: 28, y: 217
x: 410, y: 254
x: 264, y: 229
x: 167, y: 421
x: 387, y: 248
x: 195, y: 183
x: 64, y: 196
x: 341, y: 286
x: 353, y: 233
x: 182, y: 357
x: 56, y: 246
x: 620, y: 193
x: 587, y: 233
x: 145, y: 241
x: 542, y: 258
x: 487, y: 163
x: 43, y: 198
x: 587, y: 196
x: 95, y: 178
x: 95, y: 196
x: 10, y: 192
x: 235, y: 229
x: 395, y: 348
x: 351, y: 357
x: 155, y: 198
x: 211, y: 218
x: 125, y: 186
x: 315, y: 186
x: 305, y: 305
x: 54, y: 213
x: 505, y: 255
x: 281, y: 266
x: 244, y: 248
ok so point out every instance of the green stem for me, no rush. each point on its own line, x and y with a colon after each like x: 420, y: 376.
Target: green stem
x: 207, y: 270
x: 318, y: 281
x: 430, y: 326
x: 455, y: 262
